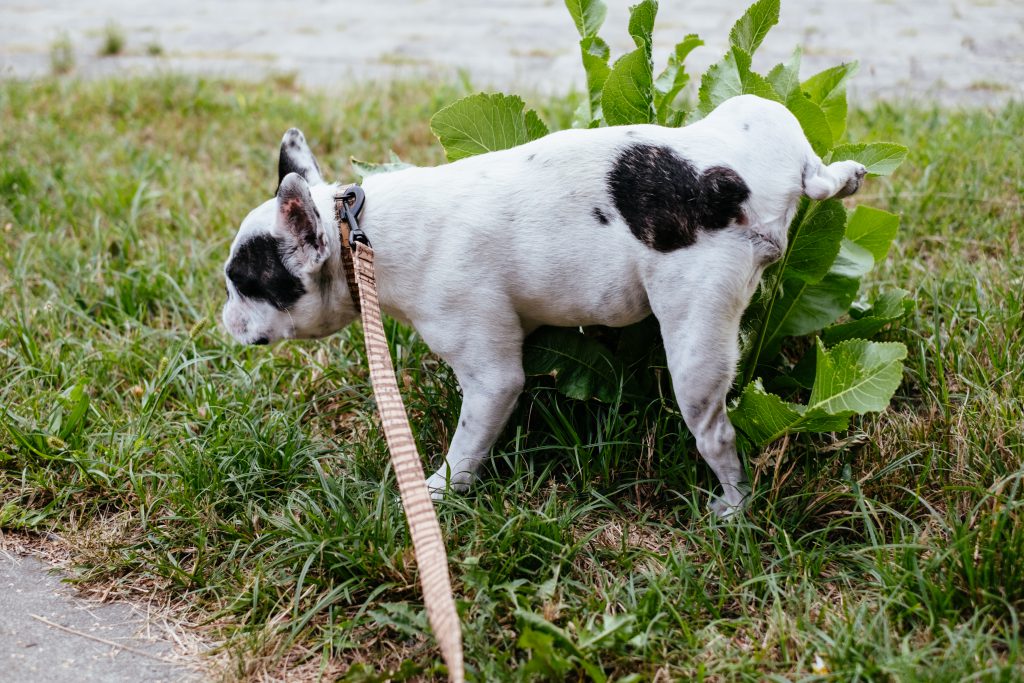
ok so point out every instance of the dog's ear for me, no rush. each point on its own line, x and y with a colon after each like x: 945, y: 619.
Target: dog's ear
x: 299, y: 218
x: 296, y: 157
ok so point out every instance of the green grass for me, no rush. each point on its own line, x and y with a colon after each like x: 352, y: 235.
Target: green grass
x: 251, y: 487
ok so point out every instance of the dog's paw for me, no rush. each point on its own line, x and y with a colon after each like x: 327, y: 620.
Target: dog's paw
x: 723, y: 509
x: 440, y: 484
x: 732, y: 501
x: 855, y: 179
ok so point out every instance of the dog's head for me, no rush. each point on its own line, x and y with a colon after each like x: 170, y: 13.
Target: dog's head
x: 282, y: 281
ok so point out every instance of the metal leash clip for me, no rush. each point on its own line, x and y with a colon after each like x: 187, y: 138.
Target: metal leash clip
x: 350, y: 213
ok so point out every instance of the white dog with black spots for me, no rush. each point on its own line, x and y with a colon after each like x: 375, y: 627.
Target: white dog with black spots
x: 582, y: 227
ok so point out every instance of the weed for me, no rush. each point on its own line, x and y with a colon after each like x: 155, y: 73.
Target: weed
x: 62, y: 55
x: 113, y: 40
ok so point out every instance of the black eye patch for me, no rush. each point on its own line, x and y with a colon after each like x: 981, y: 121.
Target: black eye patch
x: 258, y: 272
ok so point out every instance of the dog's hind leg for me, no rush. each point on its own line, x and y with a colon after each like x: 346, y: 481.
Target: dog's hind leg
x: 701, y: 334
x: 839, y: 179
x: 489, y: 366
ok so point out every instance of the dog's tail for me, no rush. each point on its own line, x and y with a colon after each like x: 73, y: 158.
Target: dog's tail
x: 839, y: 179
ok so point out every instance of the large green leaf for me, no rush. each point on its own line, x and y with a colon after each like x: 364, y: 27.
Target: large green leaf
x: 869, y: 232
x: 583, y: 368
x: 852, y: 378
x: 873, y: 229
x: 785, y: 81
x: 588, y: 15
x: 880, y: 158
x: 812, y: 120
x: 802, y: 308
x: 852, y: 260
x: 728, y: 78
x: 857, y: 376
x: 594, y: 53
x: 802, y: 296
x: 484, y: 123
x: 672, y: 80
x: 814, y: 240
x: 641, y: 24
x: 753, y: 26
x: 627, y: 94
x: 765, y: 417
x: 827, y: 89
x: 785, y: 78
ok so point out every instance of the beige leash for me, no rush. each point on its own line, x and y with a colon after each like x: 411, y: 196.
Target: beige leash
x: 428, y: 545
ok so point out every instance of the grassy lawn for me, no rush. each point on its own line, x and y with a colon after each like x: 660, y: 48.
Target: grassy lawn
x: 250, y: 488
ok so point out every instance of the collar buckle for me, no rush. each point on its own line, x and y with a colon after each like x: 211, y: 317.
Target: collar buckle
x: 349, y: 203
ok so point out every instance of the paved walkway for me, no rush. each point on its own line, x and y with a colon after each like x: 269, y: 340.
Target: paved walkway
x: 953, y: 51
x: 49, y: 636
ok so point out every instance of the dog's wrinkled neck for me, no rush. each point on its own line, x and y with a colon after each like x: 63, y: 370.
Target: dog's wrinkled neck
x: 331, y: 282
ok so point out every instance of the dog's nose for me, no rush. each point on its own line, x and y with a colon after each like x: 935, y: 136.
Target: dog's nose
x: 261, y: 341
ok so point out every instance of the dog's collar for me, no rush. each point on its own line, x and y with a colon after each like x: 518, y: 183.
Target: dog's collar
x: 348, y: 206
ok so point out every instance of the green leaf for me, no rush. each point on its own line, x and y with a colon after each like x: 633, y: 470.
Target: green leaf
x: 673, y: 79
x: 535, y: 128
x: 828, y: 90
x: 484, y: 123
x: 815, y: 240
x: 753, y: 26
x: 869, y: 233
x: 365, y: 169
x: 583, y: 368
x: 880, y: 158
x: 78, y: 401
x: 854, y: 377
x: 627, y: 94
x: 594, y: 53
x: 813, y: 121
x: 803, y: 308
x: 641, y: 24
x: 728, y: 78
x: 852, y: 260
x: 545, y: 659
x: 554, y: 639
x: 588, y: 15
x: 887, y: 308
x: 857, y: 376
x: 765, y: 417
x: 785, y: 78
x: 873, y: 229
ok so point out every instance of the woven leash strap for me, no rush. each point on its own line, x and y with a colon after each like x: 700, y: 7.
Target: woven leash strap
x: 427, y: 543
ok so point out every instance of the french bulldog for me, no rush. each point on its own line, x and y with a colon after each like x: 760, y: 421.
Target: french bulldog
x: 598, y: 226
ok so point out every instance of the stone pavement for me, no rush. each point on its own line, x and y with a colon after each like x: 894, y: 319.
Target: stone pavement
x: 951, y: 51
x: 33, y: 650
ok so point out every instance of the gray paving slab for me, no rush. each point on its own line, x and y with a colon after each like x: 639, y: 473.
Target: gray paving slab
x: 34, y: 651
x: 951, y: 51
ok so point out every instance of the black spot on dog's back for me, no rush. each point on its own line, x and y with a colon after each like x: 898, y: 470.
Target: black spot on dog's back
x: 666, y: 202
x: 258, y: 272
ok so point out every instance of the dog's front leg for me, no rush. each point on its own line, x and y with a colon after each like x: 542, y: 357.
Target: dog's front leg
x: 489, y: 366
